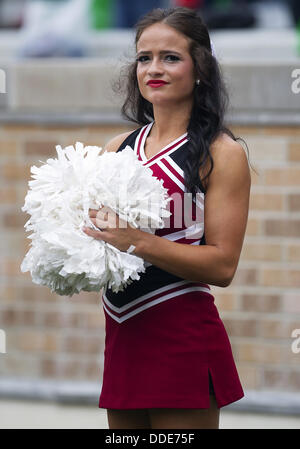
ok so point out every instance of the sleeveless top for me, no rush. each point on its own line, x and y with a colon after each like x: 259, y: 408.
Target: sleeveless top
x: 186, y: 226
x: 164, y: 338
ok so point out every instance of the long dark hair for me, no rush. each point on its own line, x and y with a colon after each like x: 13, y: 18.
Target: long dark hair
x: 210, y: 96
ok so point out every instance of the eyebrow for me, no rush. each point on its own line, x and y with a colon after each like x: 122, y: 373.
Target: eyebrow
x: 161, y: 52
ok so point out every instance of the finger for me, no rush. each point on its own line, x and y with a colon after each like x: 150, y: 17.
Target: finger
x: 93, y: 212
x: 99, y: 223
x: 101, y: 215
x: 93, y: 220
x: 102, y: 224
x: 111, y: 222
x: 93, y: 233
x: 105, y: 211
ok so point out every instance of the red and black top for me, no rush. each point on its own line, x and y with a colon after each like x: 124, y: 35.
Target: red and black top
x: 164, y: 337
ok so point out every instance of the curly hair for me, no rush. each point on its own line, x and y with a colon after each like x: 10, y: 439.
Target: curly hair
x: 210, y: 96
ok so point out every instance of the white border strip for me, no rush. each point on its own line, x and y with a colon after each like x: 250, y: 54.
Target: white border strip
x: 156, y: 301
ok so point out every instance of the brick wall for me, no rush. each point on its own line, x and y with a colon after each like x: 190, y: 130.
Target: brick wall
x: 51, y: 336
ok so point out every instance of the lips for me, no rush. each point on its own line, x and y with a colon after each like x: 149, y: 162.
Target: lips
x: 156, y: 83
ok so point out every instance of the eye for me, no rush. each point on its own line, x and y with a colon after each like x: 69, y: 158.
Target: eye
x: 173, y: 58
x: 170, y: 58
x: 140, y: 59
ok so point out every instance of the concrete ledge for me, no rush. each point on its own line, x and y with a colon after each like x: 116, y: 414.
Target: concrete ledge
x: 63, y: 118
x: 248, y: 118
x: 50, y: 390
x: 79, y: 90
x: 261, y: 118
x: 258, y: 66
x: 263, y: 401
x: 67, y: 84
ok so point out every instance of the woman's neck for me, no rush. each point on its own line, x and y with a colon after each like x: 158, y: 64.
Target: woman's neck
x: 168, y: 124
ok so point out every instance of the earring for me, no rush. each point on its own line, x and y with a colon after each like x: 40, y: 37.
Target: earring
x: 198, y: 82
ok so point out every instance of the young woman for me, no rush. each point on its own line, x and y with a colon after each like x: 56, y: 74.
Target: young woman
x: 168, y: 360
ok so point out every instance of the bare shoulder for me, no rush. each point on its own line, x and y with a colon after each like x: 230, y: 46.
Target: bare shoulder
x: 225, y: 147
x: 114, y: 143
x: 228, y: 154
x: 230, y: 160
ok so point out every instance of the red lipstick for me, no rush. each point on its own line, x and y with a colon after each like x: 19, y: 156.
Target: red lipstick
x: 156, y: 83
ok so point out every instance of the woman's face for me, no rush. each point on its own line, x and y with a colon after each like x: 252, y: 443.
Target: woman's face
x: 163, y: 54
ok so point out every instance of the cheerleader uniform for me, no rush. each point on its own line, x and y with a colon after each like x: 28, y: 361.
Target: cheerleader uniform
x: 165, y: 344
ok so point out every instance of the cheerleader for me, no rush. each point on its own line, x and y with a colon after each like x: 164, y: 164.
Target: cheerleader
x: 168, y: 362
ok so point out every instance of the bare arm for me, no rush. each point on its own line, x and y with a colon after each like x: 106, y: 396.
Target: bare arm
x: 226, y: 213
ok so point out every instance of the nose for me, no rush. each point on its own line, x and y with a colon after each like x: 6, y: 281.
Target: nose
x: 155, y: 67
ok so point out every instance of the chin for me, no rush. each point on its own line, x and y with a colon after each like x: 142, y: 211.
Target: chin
x: 161, y: 95
x: 160, y: 101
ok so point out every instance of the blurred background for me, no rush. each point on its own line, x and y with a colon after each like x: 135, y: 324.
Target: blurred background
x: 58, y: 60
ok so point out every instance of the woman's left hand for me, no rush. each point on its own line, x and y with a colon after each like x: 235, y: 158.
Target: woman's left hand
x: 113, y: 229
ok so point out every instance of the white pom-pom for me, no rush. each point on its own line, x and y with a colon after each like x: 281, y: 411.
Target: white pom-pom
x: 61, y: 193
